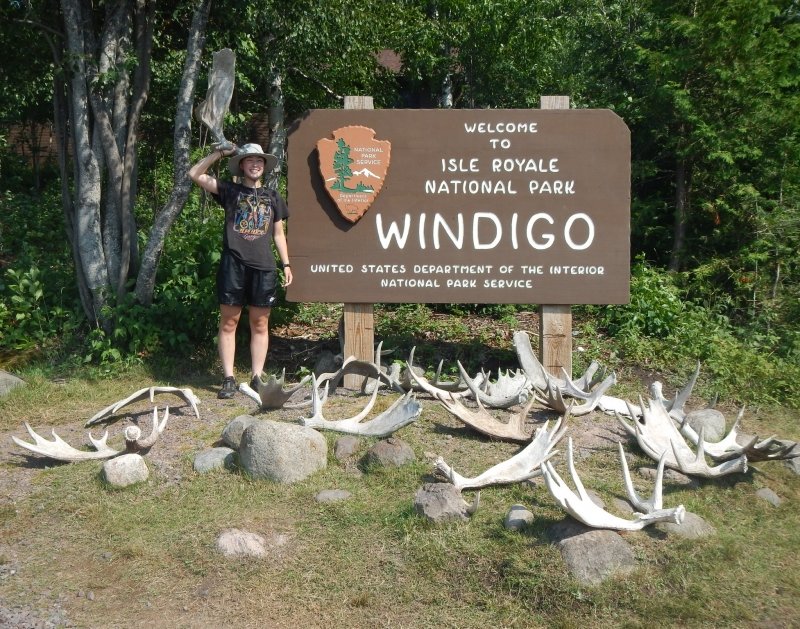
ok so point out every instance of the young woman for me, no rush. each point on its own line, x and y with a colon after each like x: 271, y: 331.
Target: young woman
x: 247, y: 275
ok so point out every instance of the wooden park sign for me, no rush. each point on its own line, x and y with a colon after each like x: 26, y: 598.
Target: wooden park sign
x: 460, y: 206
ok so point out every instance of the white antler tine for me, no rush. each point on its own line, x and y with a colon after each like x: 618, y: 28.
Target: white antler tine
x: 683, y: 395
x: 436, y: 378
x: 99, y: 444
x: 574, y: 473
x: 163, y: 423
x: 701, y: 446
x: 626, y: 476
x: 658, y: 490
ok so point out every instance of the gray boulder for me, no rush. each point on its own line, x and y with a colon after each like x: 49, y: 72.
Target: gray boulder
x: 711, y: 420
x: 442, y: 502
x: 391, y: 452
x: 213, y: 459
x: 592, y: 555
x: 9, y: 381
x: 692, y: 527
x: 124, y: 470
x: 284, y: 453
x: 232, y: 433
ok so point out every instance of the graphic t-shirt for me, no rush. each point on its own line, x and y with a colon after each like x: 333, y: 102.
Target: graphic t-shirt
x: 250, y: 215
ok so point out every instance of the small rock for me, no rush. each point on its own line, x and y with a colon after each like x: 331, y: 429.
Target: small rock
x: 765, y: 493
x: 213, y: 459
x: 332, y: 495
x: 238, y: 543
x: 124, y: 470
x: 517, y: 518
x: 692, y: 527
x: 391, y: 452
x: 345, y: 447
x: 441, y: 502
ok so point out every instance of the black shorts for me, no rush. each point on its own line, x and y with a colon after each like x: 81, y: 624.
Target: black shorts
x: 240, y: 285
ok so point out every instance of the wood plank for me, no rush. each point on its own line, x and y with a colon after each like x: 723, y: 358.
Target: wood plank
x: 555, y: 322
x: 359, y: 319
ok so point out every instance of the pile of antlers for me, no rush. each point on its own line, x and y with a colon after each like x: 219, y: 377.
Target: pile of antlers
x: 658, y: 425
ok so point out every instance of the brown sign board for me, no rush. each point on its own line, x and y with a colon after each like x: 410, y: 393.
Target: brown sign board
x: 474, y: 206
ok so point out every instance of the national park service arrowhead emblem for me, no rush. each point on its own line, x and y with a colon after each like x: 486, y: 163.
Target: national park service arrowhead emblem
x: 353, y: 166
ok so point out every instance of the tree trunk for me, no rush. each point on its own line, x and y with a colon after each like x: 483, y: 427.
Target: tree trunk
x: 277, y: 126
x: 141, y: 88
x: 146, y: 278
x: 88, y: 233
x: 682, y: 194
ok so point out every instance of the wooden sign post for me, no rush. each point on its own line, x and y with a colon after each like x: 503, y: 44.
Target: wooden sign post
x: 555, y: 322
x: 359, y: 319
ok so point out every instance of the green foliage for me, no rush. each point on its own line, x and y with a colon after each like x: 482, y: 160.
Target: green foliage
x: 38, y: 307
x: 184, y: 309
x: 31, y: 315
x: 662, y: 328
x: 656, y: 307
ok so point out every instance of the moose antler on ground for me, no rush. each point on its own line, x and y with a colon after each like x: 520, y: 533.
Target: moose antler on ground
x: 187, y: 394
x: 405, y: 410
x: 482, y: 421
x: 414, y: 381
x: 371, y: 371
x: 553, y: 396
x: 581, y: 507
x: 590, y: 387
x: 271, y: 394
x: 770, y: 449
x: 522, y: 466
x: 507, y: 391
x: 657, y: 435
x: 60, y: 450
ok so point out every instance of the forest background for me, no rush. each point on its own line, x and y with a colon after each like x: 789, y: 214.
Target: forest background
x: 107, y: 255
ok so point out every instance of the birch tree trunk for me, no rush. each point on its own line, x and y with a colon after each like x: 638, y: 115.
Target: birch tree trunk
x: 277, y: 126
x: 88, y: 184
x: 182, y: 136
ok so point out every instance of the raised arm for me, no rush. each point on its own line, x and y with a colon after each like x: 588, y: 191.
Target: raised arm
x: 198, y: 172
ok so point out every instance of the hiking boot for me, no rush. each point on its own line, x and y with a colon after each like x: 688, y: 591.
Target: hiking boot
x: 228, y: 389
x: 255, y: 382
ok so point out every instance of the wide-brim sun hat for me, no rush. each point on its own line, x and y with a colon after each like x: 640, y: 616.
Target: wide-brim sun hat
x: 250, y: 150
